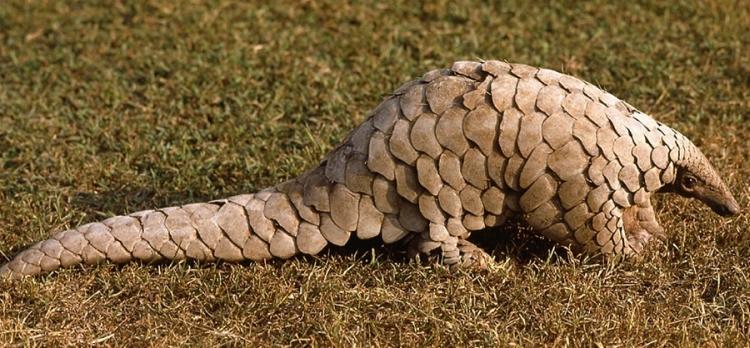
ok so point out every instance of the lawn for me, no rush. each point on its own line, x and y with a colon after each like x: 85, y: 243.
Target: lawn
x: 113, y: 107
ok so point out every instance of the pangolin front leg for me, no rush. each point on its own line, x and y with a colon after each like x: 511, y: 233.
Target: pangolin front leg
x: 641, y: 226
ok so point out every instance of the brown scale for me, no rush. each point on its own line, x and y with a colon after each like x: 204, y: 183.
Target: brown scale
x: 453, y: 152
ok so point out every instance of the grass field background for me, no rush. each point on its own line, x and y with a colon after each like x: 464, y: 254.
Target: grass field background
x: 114, y: 107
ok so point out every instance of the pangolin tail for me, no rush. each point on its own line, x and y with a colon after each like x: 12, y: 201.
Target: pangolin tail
x: 255, y: 227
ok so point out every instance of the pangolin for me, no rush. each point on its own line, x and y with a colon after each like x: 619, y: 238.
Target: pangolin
x: 456, y: 151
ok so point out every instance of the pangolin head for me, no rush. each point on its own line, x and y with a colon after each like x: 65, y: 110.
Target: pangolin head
x: 696, y: 178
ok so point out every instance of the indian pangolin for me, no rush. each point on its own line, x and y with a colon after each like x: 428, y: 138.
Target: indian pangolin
x: 457, y: 151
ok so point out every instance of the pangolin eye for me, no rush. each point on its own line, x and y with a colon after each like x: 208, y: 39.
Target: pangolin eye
x: 689, y: 182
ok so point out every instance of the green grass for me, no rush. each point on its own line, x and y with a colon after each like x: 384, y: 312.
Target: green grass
x: 116, y: 107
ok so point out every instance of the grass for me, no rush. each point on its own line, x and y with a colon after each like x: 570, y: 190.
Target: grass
x: 107, y: 108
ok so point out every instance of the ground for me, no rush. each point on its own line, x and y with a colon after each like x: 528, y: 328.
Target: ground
x: 116, y: 107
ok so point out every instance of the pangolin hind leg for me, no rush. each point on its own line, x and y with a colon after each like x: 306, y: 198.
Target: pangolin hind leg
x: 452, y: 251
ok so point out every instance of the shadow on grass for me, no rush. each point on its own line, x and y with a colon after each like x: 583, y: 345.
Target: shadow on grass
x: 513, y: 240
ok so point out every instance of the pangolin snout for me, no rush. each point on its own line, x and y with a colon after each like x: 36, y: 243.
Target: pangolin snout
x: 728, y: 208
